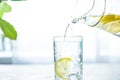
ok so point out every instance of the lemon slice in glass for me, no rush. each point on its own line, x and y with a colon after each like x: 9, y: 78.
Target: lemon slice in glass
x: 62, y: 67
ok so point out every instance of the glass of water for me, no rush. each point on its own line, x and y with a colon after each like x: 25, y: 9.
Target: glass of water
x: 68, y: 57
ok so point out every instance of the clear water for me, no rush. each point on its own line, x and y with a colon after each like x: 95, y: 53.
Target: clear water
x: 66, y: 30
x: 69, y: 26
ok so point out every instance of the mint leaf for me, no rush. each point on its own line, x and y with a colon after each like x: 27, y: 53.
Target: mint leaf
x: 8, y: 29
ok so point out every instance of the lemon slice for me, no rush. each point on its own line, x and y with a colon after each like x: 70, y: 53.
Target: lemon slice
x: 113, y: 27
x: 110, y: 18
x: 62, y: 67
x: 110, y: 23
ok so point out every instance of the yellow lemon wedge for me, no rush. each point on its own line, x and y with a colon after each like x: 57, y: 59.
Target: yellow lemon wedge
x: 113, y: 27
x: 110, y: 23
x: 62, y: 67
x: 109, y: 18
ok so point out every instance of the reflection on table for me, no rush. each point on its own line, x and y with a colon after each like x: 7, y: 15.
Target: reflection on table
x: 98, y: 71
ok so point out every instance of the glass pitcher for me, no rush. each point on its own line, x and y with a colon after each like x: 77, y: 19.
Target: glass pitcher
x: 104, y: 14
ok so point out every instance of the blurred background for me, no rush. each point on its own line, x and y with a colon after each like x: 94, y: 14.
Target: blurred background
x: 37, y: 21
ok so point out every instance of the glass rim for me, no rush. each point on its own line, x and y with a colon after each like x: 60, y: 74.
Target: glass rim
x: 68, y: 38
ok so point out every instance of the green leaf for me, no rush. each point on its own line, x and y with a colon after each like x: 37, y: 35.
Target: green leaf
x: 18, y: 0
x: 8, y: 29
x: 4, y: 7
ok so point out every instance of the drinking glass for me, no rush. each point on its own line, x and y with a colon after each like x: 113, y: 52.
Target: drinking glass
x: 68, y: 57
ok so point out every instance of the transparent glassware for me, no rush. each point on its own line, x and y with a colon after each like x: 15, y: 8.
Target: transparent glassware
x: 68, y: 57
x: 104, y: 14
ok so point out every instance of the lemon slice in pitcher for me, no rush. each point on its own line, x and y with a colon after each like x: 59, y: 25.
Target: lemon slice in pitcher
x: 111, y: 23
x: 113, y: 27
x: 62, y: 67
x: 110, y: 18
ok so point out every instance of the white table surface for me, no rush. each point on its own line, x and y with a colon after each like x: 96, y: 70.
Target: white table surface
x: 46, y: 72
